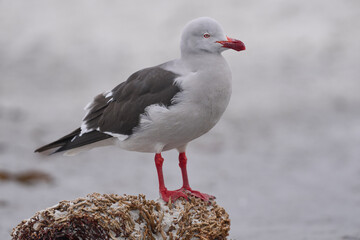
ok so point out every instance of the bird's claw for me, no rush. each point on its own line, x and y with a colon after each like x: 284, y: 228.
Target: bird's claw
x: 184, y: 192
x: 174, y: 195
x: 205, y: 197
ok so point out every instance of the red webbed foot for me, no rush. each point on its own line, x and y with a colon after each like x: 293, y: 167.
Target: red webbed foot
x: 203, y: 196
x: 184, y: 193
x: 174, y: 195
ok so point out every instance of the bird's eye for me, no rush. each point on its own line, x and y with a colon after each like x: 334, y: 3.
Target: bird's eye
x: 206, y: 35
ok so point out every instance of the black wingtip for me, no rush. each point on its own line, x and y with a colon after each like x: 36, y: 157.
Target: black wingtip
x: 74, y: 140
x: 59, y: 143
x: 42, y: 149
x: 46, y: 152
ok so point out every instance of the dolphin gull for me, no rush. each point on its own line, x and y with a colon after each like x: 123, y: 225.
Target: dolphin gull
x: 163, y: 107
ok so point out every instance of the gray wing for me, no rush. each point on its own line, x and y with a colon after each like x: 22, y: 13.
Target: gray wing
x: 119, y: 111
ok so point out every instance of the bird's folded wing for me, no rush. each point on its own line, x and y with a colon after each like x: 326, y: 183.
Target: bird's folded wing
x: 119, y: 111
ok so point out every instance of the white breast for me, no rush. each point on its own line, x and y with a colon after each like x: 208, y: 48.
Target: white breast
x: 205, y: 94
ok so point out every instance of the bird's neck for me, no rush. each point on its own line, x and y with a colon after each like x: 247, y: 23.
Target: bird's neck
x: 199, y: 61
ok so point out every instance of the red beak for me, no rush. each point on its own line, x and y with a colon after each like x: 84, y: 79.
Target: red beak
x: 232, y: 43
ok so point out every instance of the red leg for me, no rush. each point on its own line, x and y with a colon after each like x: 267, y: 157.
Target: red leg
x: 182, y: 165
x: 186, y: 185
x: 159, y: 163
x: 165, y: 194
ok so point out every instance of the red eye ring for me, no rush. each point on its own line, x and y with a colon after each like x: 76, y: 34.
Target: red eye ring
x: 206, y: 35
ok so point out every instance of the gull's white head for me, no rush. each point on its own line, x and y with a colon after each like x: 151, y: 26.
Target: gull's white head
x: 205, y: 35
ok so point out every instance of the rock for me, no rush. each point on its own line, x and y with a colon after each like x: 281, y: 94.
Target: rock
x: 110, y: 216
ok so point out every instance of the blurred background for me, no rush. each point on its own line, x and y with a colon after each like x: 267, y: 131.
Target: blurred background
x: 284, y: 159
